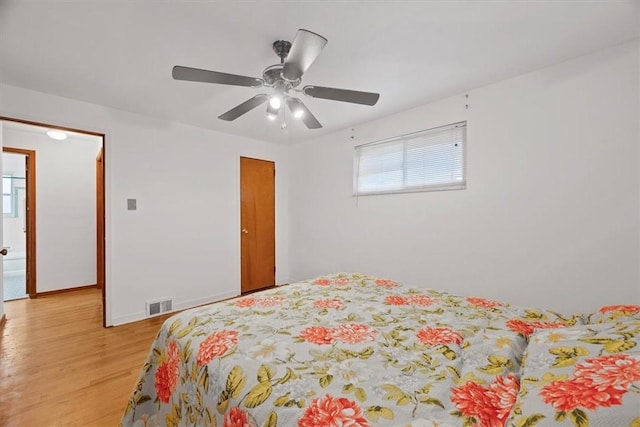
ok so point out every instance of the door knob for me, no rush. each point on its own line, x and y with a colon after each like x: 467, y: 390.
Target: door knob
x: 244, y: 231
x: 3, y: 252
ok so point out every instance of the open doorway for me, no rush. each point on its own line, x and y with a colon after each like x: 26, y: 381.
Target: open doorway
x: 70, y: 186
x: 18, y: 203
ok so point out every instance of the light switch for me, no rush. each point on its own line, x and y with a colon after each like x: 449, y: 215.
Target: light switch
x: 131, y: 204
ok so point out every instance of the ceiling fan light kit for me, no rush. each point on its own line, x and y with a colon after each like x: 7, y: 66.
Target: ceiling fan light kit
x: 272, y: 113
x: 275, y: 101
x: 284, y: 78
x: 295, y: 105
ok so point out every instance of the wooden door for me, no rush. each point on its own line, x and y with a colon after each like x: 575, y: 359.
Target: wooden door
x: 257, y: 224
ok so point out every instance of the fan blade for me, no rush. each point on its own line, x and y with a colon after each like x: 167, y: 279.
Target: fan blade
x: 308, y: 118
x: 207, y: 76
x: 306, y: 47
x: 245, y: 107
x: 353, y: 96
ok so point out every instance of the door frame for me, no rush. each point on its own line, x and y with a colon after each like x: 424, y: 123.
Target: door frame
x: 100, y: 226
x: 100, y: 195
x: 30, y: 212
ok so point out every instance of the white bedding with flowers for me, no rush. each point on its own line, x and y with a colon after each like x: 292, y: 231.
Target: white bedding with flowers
x: 356, y: 350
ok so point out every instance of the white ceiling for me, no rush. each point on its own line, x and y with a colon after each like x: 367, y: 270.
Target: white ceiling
x: 120, y: 53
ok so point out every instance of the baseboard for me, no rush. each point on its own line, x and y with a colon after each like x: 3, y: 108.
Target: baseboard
x: 258, y: 290
x: 62, y: 291
x: 3, y: 320
x: 178, y: 306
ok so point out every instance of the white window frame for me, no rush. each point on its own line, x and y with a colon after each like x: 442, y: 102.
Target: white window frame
x: 10, y: 194
x: 457, y: 183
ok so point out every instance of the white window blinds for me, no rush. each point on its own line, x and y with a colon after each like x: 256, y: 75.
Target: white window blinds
x: 422, y: 161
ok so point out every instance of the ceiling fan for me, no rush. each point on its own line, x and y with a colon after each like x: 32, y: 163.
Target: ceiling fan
x: 284, y: 78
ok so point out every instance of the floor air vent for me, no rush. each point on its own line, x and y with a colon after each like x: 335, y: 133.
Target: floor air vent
x: 159, y: 307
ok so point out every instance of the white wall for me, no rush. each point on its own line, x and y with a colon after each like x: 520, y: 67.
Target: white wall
x: 65, y: 207
x: 148, y: 257
x: 550, y: 213
x: 550, y: 216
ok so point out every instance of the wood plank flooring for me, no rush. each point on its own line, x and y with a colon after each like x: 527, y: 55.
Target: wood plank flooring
x: 60, y: 367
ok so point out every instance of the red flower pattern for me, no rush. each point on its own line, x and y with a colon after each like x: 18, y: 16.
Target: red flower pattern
x: 245, y: 302
x: 563, y: 395
x: 326, y: 282
x: 354, y: 333
x: 236, y: 417
x: 528, y: 328
x: 616, y: 370
x: 396, y: 300
x: 504, y: 392
x: 328, y: 303
x: 166, y: 376
x: 472, y: 400
x: 569, y: 394
x: 217, y: 344
x: 521, y: 327
x: 271, y: 301
x: 330, y: 411
x: 482, y: 302
x: 385, y: 283
x: 597, y: 382
x: 434, y: 336
x: 317, y: 335
x: 626, y: 309
x: 421, y: 300
x: 491, y: 404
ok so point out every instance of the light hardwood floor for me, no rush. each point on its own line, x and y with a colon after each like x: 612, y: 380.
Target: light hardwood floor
x: 60, y: 367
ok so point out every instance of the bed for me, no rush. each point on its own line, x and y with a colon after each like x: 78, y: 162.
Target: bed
x: 356, y: 350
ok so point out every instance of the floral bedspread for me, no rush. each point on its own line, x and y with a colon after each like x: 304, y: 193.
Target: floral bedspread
x: 342, y: 350
x: 587, y: 375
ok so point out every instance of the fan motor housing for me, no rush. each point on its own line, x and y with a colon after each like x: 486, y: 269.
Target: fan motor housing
x: 281, y: 48
x: 272, y: 74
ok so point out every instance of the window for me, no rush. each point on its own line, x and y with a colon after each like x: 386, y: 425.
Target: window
x: 7, y: 195
x: 428, y: 160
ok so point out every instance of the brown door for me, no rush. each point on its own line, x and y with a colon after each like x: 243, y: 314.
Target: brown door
x: 257, y: 224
